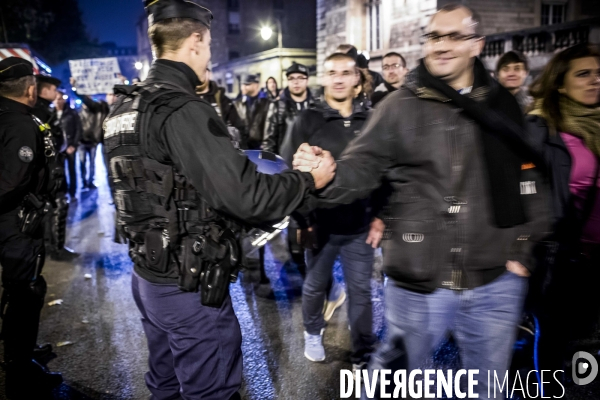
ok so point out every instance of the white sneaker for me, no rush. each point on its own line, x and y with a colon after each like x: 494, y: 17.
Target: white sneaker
x: 313, y: 347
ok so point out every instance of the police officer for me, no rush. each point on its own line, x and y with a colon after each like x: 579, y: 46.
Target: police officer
x: 179, y: 188
x: 24, y: 149
x: 56, y: 221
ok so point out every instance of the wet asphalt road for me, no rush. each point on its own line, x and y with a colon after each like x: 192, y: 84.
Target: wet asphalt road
x: 106, y: 354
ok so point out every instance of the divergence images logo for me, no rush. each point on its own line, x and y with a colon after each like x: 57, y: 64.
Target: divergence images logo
x: 584, y: 364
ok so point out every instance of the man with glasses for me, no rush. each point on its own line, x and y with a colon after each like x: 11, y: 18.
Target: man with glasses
x: 394, y: 72
x: 282, y: 113
x: 459, y: 243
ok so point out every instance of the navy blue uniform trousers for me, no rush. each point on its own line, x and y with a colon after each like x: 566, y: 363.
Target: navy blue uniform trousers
x: 195, y: 351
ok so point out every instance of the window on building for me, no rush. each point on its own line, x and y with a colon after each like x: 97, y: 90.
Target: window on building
x: 374, y: 24
x: 233, y: 5
x: 233, y: 55
x: 553, y: 13
x: 234, y: 22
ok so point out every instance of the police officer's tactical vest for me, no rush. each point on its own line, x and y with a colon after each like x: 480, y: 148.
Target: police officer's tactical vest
x: 150, y: 196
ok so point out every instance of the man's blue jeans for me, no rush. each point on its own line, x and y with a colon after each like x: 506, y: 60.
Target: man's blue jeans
x: 357, y: 264
x: 483, y: 322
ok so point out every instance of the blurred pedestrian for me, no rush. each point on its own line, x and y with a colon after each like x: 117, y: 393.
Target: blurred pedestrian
x: 450, y: 142
x: 564, y: 125
x: 342, y: 231
x: 92, y: 114
x: 71, y: 126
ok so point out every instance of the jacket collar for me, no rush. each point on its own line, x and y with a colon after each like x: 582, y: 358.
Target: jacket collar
x: 286, y: 96
x: 176, y: 73
x: 12, y: 105
x: 359, y: 110
x: 483, y: 84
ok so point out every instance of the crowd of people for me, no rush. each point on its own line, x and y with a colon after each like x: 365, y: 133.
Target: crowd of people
x: 482, y: 193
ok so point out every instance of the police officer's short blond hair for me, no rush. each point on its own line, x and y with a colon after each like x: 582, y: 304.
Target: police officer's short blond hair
x: 168, y: 35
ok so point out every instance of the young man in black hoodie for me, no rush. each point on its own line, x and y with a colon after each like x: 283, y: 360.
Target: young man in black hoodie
x: 450, y: 143
x: 343, y: 230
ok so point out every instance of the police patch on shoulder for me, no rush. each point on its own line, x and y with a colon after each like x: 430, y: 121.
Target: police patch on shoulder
x: 26, y: 154
x: 217, y: 129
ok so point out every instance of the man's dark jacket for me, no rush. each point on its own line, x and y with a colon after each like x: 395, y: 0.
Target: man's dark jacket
x: 255, y: 119
x: 380, y: 92
x: 280, y: 119
x: 440, y: 218
x: 71, y: 126
x: 92, y: 118
x: 224, y: 106
x: 325, y: 127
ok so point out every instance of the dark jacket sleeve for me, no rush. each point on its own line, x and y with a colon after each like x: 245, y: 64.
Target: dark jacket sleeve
x: 364, y: 162
x: 93, y: 106
x: 273, y: 126
x: 296, y: 137
x: 537, y: 203
x: 72, y: 128
x: 15, y: 173
x: 197, y: 142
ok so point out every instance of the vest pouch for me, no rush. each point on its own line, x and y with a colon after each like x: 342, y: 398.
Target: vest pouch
x: 190, y: 267
x: 157, y: 250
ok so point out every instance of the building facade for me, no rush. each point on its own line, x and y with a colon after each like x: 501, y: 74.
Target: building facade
x: 238, y: 49
x: 379, y: 26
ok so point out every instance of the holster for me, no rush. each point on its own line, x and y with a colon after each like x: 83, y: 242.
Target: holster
x: 221, y: 256
x: 190, y: 267
x: 158, y: 256
x: 32, y: 213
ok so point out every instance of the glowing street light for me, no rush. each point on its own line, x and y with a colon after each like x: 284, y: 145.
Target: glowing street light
x: 139, y: 65
x: 266, y: 32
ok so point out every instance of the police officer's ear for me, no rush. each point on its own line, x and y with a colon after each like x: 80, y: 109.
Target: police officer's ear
x: 31, y: 94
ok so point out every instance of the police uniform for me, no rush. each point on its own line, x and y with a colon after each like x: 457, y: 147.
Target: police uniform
x: 56, y: 219
x: 23, y: 177
x: 181, y: 190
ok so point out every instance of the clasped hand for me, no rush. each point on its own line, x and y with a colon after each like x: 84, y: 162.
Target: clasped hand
x: 318, y: 162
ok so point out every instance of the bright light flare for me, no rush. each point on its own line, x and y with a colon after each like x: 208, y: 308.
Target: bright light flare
x: 266, y: 32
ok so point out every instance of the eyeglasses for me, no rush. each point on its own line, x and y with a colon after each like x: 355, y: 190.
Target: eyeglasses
x: 387, y: 67
x: 297, y: 79
x: 452, y: 37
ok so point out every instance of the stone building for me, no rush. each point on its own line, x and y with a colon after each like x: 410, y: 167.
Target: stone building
x: 536, y: 27
x: 237, y: 46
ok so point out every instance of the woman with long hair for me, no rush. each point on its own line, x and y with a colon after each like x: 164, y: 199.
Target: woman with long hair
x: 564, y: 127
x: 271, y: 89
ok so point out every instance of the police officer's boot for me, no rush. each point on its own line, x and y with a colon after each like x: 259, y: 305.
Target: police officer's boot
x: 41, y: 351
x: 29, y: 380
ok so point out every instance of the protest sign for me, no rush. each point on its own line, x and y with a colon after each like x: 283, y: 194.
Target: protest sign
x: 95, y: 75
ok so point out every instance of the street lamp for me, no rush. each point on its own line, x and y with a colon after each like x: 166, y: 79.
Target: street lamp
x: 266, y: 32
x: 139, y: 65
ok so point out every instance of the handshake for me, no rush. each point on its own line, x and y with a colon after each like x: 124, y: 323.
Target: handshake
x: 318, y: 162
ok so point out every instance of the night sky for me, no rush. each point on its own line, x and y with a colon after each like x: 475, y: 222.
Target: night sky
x: 112, y: 20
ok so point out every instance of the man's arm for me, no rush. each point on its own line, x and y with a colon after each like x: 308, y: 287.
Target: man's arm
x: 365, y: 160
x: 17, y: 162
x: 198, y: 143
